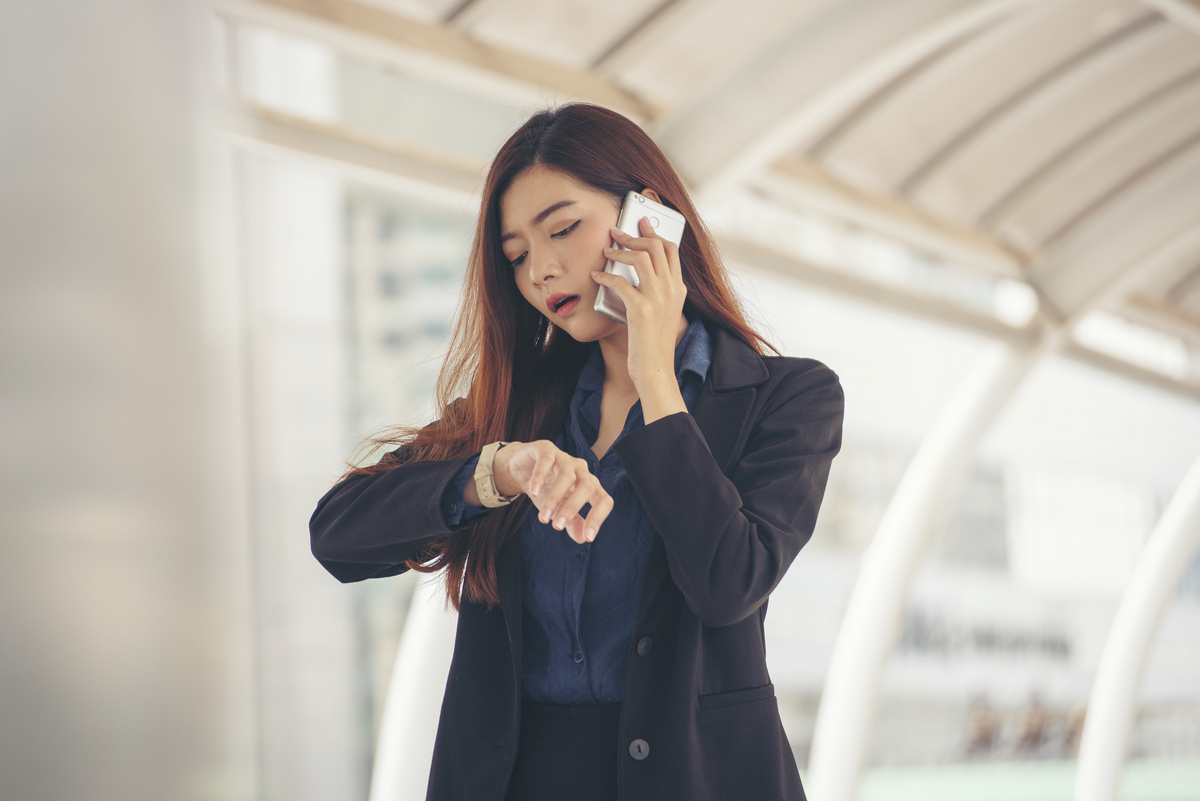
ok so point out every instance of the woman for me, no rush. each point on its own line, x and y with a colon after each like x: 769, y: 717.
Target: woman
x: 611, y: 505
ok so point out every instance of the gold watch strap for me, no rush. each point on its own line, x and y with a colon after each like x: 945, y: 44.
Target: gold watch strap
x: 485, y: 482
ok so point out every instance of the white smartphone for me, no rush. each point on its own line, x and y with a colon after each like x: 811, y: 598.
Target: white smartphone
x: 666, y: 222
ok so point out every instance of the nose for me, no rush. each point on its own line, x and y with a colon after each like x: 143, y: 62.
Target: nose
x: 543, y: 265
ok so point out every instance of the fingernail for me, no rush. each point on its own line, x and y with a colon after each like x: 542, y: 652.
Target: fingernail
x: 595, y: 273
x: 544, y: 516
x: 591, y: 534
x: 560, y: 523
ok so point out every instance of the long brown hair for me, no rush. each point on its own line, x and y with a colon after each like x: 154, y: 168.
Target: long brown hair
x: 515, y: 371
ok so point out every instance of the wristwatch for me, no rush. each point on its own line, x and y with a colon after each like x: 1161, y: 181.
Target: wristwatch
x: 485, y: 482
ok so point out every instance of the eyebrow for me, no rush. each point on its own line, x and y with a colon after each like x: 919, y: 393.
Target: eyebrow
x: 546, y: 212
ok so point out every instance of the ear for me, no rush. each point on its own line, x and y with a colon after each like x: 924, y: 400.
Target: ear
x: 650, y: 193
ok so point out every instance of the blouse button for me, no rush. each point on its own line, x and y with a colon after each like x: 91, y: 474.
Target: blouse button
x: 643, y: 646
x: 579, y: 656
x: 639, y: 749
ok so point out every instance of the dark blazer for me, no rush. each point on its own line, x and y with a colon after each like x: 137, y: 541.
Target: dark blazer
x: 733, y: 491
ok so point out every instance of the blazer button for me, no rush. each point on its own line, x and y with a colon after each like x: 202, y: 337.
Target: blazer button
x: 579, y: 656
x: 643, y: 646
x: 639, y: 749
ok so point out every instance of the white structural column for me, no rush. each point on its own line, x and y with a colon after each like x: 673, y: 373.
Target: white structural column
x: 414, y: 698
x: 843, y: 732
x: 124, y: 673
x: 1168, y: 552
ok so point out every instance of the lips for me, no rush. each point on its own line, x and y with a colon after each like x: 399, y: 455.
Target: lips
x: 561, y: 304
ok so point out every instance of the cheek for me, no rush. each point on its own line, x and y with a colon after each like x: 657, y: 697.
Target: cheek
x: 526, y: 289
x: 588, y: 251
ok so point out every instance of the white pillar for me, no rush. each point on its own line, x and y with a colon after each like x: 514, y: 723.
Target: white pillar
x: 1168, y: 552
x: 124, y: 674
x: 414, y: 698
x: 843, y: 732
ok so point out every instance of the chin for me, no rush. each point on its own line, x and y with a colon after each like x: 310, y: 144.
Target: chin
x: 588, y: 325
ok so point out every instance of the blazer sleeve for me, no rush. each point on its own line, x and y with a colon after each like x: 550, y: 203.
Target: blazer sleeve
x: 729, y: 539
x: 367, y: 525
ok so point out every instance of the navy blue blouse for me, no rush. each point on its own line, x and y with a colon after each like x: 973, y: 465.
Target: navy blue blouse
x: 580, y: 600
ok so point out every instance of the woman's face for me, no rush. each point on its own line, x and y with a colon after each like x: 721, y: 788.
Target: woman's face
x: 553, y: 231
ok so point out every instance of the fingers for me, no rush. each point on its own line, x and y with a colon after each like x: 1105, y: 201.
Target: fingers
x: 546, y: 455
x: 619, y: 284
x: 560, y: 485
x: 602, y: 505
x: 668, y: 249
x: 647, y: 252
x: 555, y: 494
x: 585, y: 492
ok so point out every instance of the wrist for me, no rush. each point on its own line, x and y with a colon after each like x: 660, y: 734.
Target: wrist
x: 505, y: 483
x: 661, y: 399
x: 485, y: 484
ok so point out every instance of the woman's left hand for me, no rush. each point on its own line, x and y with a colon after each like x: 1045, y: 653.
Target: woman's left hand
x: 654, y: 308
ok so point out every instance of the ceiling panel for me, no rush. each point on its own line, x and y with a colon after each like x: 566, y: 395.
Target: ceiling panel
x: 574, y: 33
x: 1033, y: 134
x: 1120, y: 238
x: 428, y: 11
x: 1174, y: 290
x: 1184, y: 294
x: 941, y: 104
x: 1058, y: 137
x: 755, y: 113
x: 1075, y: 184
x: 695, y: 42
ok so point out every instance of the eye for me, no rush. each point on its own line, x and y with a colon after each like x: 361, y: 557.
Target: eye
x: 567, y: 230
x: 517, y: 261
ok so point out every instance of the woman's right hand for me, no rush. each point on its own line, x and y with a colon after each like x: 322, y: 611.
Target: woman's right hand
x: 558, y: 484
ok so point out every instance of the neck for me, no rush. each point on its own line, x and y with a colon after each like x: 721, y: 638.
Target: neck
x: 615, y: 351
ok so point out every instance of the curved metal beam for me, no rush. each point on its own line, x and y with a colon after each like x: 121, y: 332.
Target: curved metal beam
x: 643, y: 33
x: 1184, y: 13
x: 1127, y: 230
x: 1140, y: 109
x: 410, y: 716
x: 1176, y: 539
x: 449, y: 182
x: 1180, y: 153
x: 873, y: 618
x: 757, y: 258
x: 809, y: 81
x: 921, y: 173
x: 441, y: 54
x: 1182, y: 247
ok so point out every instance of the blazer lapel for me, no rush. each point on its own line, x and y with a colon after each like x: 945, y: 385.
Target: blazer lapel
x: 722, y: 411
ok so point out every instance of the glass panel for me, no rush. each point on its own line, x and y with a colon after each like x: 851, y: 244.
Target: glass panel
x: 828, y: 243
x: 406, y: 265
x: 1135, y: 344
x: 349, y: 292
x: 312, y: 80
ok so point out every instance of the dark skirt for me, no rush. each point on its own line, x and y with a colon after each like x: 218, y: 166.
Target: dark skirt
x: 566, y: 752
